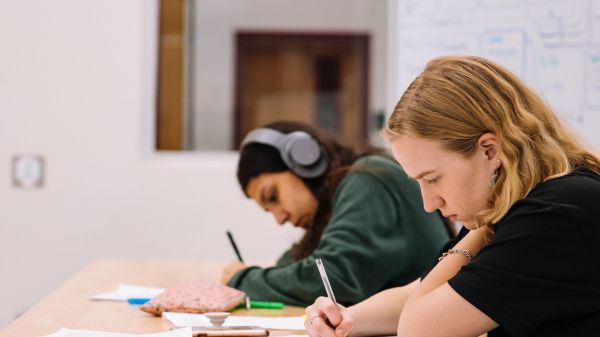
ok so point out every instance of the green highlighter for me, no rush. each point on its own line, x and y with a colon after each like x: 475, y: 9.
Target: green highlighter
x: 262, y: 305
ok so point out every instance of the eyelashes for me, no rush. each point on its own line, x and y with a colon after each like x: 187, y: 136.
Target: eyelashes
x: 430, y: 181
x: 272, y: 196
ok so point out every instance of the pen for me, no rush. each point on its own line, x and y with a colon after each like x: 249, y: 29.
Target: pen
x: 235, y: 248
x: 326, y: 283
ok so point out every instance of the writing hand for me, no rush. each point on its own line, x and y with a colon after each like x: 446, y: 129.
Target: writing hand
x: 325, y: 320
x: 230, y: 270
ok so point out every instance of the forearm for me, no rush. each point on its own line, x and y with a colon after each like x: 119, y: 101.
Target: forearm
x: 378, y: 315
x: 417, y: 305
x: 451, y: 264
x: 273, y: 284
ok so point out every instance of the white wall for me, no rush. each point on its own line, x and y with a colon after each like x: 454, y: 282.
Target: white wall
x: 216, y: 23
x: 74, y: 88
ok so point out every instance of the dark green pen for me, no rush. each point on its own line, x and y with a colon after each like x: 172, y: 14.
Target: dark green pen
x: 235, y: 248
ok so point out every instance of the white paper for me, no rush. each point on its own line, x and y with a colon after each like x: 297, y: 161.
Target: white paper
x: 285, y: 323
x: 183, y: 332
x: 125, y: 291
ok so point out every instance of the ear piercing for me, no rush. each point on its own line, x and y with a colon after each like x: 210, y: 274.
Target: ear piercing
x: 492, y: 180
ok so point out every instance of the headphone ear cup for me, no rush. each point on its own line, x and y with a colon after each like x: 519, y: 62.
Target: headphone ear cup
x: 298, y: 150
x: 304, y: 155
x: 313, y: 171
x: 303, y: 150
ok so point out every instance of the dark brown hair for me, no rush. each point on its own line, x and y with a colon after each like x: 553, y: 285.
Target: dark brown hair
x: 256, y: 159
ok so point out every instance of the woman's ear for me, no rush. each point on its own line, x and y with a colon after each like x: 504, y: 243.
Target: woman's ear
x: 488, y: 144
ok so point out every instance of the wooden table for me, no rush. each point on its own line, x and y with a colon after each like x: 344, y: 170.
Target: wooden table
x: 69, y: 306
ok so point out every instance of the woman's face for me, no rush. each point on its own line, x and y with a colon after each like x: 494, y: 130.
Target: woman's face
x: 456, y: 185
x: 285, y: 196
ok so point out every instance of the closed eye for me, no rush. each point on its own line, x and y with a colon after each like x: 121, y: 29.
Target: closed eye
x: 431, y: 181
x: 268, y: 197
x: 272, y: 197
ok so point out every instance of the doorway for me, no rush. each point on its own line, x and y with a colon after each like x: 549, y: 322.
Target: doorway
x: 320, y: 79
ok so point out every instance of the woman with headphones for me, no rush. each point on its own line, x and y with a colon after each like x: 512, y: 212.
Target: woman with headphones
x: 361, y: 214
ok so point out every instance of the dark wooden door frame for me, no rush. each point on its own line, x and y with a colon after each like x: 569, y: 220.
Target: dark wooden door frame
x: 241, y: 37
x: 170, y: 76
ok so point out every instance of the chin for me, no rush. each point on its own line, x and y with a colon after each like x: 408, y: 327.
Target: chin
x: 470, y: 225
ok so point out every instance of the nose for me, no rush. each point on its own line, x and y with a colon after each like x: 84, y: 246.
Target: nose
x: 280, y: 215
x: 431, y: 200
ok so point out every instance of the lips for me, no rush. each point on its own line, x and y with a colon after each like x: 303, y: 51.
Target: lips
x: 452, y: 217
x: 301, y: 222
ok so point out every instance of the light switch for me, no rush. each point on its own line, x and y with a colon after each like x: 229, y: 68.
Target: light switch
x: 28, y: 171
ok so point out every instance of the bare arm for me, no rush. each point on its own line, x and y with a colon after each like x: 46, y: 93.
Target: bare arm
x: 378, y: 315
x: 435, y: 309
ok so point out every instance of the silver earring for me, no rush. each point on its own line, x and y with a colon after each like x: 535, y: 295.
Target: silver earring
x: 492, y: 180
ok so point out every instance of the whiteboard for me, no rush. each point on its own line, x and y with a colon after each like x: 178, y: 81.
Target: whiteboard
x: 553, y: 45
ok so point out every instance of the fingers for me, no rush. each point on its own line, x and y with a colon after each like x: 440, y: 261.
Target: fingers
x: 318, y: 327
x: 345, y: 326
x: 330, y: 311
x: 231, y: 269
x: 224, y: 277
x: 324, y: 319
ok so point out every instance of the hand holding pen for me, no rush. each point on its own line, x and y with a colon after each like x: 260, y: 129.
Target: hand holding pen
x: 326, y: 316
x: 233, y: 267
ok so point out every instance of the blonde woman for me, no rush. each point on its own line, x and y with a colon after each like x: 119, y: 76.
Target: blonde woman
x: 487, y: 151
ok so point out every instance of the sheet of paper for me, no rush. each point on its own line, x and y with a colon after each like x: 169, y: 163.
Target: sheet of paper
x: 125, y: 291
x: 287, y: 323
x: 183, y: 332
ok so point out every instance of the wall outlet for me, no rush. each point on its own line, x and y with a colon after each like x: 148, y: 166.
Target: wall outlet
x: 28, y: 171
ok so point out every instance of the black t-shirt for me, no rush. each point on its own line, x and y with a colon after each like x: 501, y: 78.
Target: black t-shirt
x: 540, y: 274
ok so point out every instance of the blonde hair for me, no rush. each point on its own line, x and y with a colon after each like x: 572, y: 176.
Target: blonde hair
x: 456, y: 99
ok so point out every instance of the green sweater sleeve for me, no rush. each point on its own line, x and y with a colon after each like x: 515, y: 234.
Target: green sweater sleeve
x: 369, y: 244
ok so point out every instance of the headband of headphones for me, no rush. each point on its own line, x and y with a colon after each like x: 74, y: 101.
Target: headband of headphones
x: 299, y: 150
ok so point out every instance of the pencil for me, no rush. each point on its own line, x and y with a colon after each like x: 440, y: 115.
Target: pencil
x: 235, y: 248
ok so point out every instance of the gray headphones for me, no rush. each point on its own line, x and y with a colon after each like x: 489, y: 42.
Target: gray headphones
x: 298, y: 150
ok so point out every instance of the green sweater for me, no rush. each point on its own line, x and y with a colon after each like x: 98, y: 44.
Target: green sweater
x: 378, y: 237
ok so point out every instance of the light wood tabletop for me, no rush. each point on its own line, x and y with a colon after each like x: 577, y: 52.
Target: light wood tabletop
x: 69, y: 306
